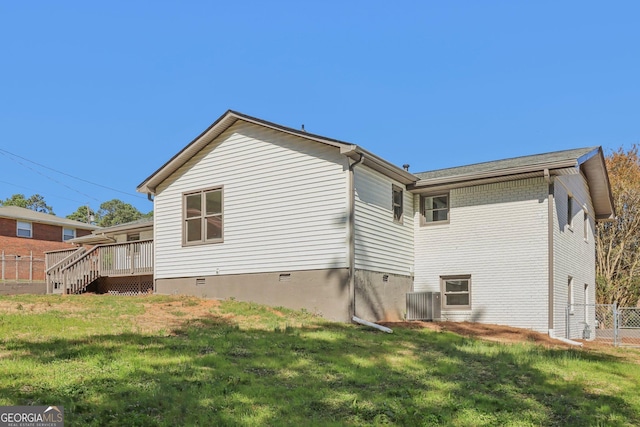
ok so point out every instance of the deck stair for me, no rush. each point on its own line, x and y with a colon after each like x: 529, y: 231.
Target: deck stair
x: 72, y: 271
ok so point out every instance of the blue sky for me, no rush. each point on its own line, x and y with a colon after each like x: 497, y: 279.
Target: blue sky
x: 108, y: 91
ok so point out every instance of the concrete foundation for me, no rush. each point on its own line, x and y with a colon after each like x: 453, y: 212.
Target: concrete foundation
x: 381, y: 296
x: 325, y: 292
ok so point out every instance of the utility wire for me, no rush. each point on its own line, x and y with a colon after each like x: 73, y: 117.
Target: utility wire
x: 5, y: 152
x: 47, y: 176
x: 33, y: 189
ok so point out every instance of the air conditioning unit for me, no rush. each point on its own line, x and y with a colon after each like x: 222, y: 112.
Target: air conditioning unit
x: 423, y: 306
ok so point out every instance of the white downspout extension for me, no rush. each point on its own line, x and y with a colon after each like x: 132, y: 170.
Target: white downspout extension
x: 564, y: 340
x: 351, y: 236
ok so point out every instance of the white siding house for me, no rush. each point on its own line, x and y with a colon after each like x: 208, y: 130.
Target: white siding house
x: 261, y: 212
x: 284, y: 204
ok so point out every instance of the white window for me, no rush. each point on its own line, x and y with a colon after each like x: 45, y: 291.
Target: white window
x: 435, y: 208
x: 456, y: 292
x: 396, y: 201
x: 24, y: 229
x: 203, y: 217
x: 68, y: 234
x: 570, y: 296
x: 570, y: 211
x: 586, y: 302
x: 585, y: 226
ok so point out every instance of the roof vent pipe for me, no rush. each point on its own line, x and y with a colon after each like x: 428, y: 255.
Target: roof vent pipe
x: 303, y: 128
x: 406, y: 167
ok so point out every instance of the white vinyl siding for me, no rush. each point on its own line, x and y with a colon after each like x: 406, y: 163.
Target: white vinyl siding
x: 497, y: 235
x: 574, y: 255
x: 285, y: 201
x: 381, y: 244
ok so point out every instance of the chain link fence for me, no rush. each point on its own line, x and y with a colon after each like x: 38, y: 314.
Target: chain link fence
x: 607, y: 323
x: 21, y: 268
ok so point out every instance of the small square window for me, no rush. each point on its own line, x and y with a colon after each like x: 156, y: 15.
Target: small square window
x: 435, y: 208
x: 24, y: 229
x: 456, y: 292
x: 397, y: 203
x: 68, y: 234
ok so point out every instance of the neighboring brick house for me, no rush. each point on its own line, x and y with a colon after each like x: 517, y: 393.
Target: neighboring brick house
x: 25, y: 235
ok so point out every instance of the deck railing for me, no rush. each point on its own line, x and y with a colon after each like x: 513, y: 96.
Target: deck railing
x: 80, y: 268
x: 56, y: 263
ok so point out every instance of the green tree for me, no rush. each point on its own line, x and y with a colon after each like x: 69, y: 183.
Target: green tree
x: 618, y: 241
x: 115, y: 212
x: 35, y: 203
x: 82, y: 214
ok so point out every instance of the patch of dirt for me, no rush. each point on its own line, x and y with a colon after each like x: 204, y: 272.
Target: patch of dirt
x: 489, y: 332
x: 172, y: 315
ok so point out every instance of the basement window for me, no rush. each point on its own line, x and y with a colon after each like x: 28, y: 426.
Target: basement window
x: 24, y: 229
x: 456, y: 292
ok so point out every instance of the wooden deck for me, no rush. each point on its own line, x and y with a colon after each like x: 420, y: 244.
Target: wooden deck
x: 72, y: 271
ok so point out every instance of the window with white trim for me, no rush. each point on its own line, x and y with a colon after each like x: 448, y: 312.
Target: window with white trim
x: 435, y: 208
x: 24, y: 229
x: 68, y: 234
x: 585, y: 225
x: 396, y: 201
x: 586, y: 302
x: 456, y: 292
x: 203, y: 217
x: 570, y: 211
x: 570, y: 296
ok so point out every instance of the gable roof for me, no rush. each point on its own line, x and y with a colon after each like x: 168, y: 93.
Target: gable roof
x: 229, y: 118
x: 589, y: 161
x: 28, y: 215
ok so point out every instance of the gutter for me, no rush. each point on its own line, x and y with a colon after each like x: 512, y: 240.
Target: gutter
x: 494, y: 173
x: 351, y: 235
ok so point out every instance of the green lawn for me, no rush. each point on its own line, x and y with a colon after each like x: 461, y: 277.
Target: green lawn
x: 173, y: 361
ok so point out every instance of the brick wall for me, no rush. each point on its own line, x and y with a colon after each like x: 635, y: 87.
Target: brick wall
x: 48, y: 232
x: 497, y: 234
x: 23, y: 247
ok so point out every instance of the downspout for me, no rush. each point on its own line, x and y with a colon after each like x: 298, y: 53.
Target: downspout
x: 151, y: 198
x: 351, y: 236
x: 550, y: 260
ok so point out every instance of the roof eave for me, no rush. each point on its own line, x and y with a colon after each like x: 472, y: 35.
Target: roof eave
x: 223, y: 123
x: 380, y: 165
x: 594, y: 168
x: 227, y: 120
x: 462, y: 180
